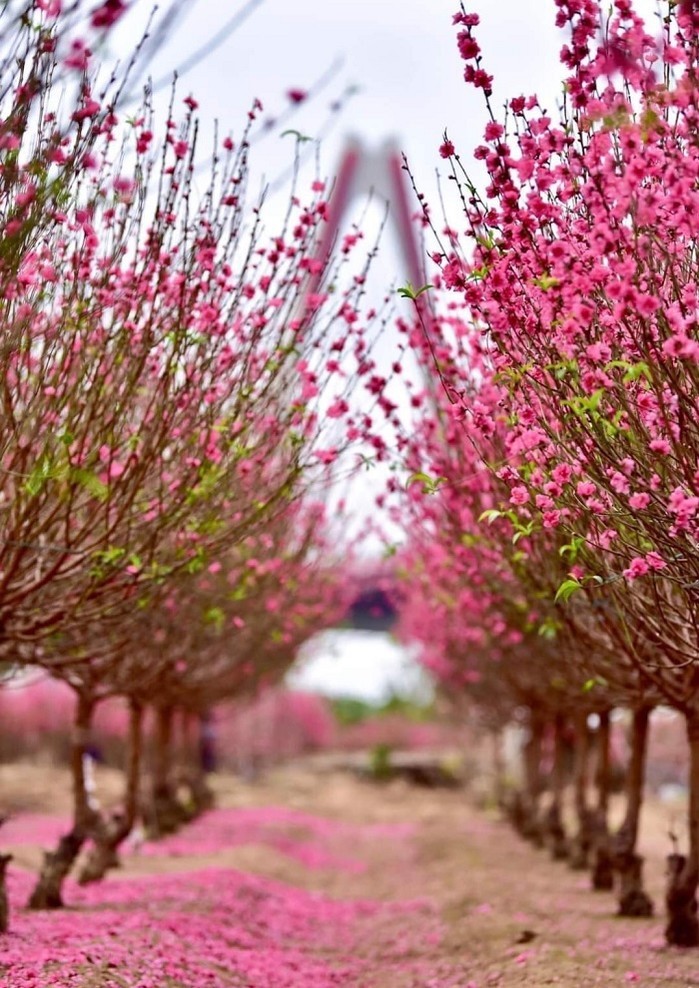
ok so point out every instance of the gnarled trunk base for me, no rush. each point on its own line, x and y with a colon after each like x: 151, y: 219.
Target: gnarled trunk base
x: 602, y: 856
x: 682, y: 928
x: 513, y: 805
x: 201, y: 796
x: 54, y: 871
x: 164, y: 815
x: 602, y: 868
x: 102, y: 856
x: 633, y: 900
x: 101, y: 859
x: 581, y: 844
x: 555, y: 834
x: 4, y: 905
x: 532, y: 826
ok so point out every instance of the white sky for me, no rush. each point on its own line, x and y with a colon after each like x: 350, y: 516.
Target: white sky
x: 402, y: 54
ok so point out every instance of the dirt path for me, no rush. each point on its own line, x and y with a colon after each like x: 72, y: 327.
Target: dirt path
x: 491, y: 889
x: 442, y: 895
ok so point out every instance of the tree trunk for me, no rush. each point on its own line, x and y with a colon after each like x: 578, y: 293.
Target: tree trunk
x: 602, y: 859
x: 103, y: 854
x: 165, y: 813
x: 580, y: 849
x: 555, y: 830
x: 532, y: 828
x: 499, y: 773
x: 682, y: 929
x: 57, y: 864
x: 184, y: 771
x: 633, y: 900
x: 202, y: 757
x: 195, y: 737
x: 4, y: 905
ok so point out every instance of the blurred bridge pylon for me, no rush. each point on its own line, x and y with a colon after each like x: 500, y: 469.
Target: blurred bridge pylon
x: 380, y: 171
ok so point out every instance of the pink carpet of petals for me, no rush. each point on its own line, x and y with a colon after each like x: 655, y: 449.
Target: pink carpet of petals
x: 30, y: 829
x: 214, y: 927
x: 315, y: 842
x: 210, y: 928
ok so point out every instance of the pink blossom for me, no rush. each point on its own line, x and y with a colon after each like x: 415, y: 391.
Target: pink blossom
x: 78, y: 56
x: 606, y: 538
x: 562, y: 473
x: 493, y: 130
x: 636, y: 568
x: 519, y: 495
x: 682, y: 504
x: 326, y: 456
x: 655, y: 561
x: 108, y: 13
x: 639, y: 501
x: 619, y: 482
x: 468, y: 46
x: 123, y: 185
x: 338, y: 408
x: 51, y: 7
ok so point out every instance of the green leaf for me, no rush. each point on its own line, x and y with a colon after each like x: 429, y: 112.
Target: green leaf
x: 430, y: 485
x: 641, y: 369
x: 240, y: 592
x: 567, y: 589
x: 413, y: 293
x: 197, y: 563
x: 571, y: 550
x: 546, y: 282
x: 595, y: 399
x: 301, y: 138
x: 583, y: 405
x: 111, y: 555
x: 91, y: 482
x: 215, y: 616
x: 38, y: 477
x: 595, y: 681
x: 478, y: 274
x: 491, y: 515
x: 523, y: 531
x: 485, y: 240
x: 548, y: 629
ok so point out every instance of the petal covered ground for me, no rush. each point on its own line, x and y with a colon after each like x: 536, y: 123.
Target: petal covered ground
x: 308, y: 881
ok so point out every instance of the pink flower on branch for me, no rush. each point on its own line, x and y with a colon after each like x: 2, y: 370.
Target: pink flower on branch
x: 637, y: 567
x: 108, y: 13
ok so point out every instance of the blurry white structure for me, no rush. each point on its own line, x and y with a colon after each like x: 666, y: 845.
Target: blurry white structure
x: 367, y: 665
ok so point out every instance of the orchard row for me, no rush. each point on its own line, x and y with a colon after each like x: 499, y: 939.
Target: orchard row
x: 174, y: 388
x: 553, y: 497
